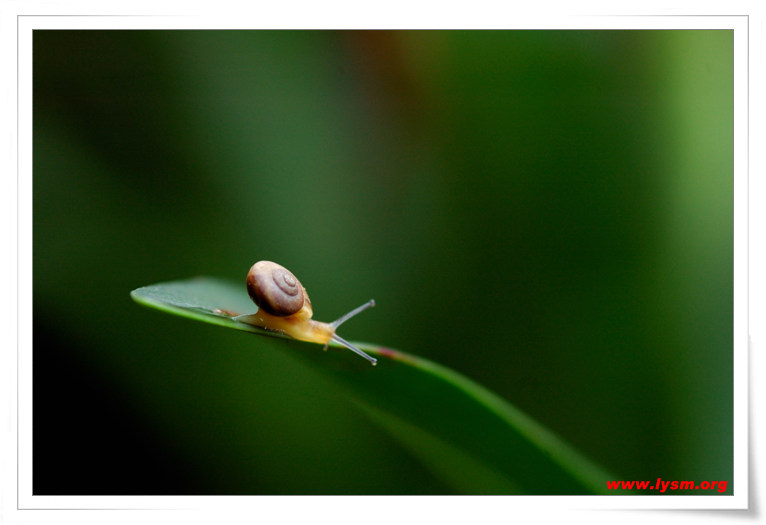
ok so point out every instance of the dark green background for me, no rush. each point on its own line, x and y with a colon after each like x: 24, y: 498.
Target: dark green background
x: 547, y: 212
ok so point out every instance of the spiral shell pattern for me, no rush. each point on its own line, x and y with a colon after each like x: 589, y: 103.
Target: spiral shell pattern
x: 275, y: 289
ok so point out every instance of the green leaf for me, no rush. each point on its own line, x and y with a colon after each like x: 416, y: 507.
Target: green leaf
x: 466, y: 435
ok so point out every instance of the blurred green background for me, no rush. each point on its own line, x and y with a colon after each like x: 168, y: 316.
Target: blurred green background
x: 546, y: 212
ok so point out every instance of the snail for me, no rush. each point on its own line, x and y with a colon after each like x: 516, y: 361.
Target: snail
x: 285, y: 307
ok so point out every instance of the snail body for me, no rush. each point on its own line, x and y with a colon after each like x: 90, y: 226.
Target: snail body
x: 285, y: 307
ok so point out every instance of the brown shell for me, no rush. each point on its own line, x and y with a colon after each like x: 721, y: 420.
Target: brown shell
x: 275, y: 289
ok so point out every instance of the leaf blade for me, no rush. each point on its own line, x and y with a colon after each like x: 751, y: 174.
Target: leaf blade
x: 429, y: 409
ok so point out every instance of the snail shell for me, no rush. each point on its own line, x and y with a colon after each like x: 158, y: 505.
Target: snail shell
x: 275, y: 289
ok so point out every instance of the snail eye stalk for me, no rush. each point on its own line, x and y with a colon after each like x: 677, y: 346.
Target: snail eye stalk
x: 339, y: 339
x: 352, y: 313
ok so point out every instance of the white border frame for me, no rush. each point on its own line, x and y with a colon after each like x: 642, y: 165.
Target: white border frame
x: 315, y: 506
